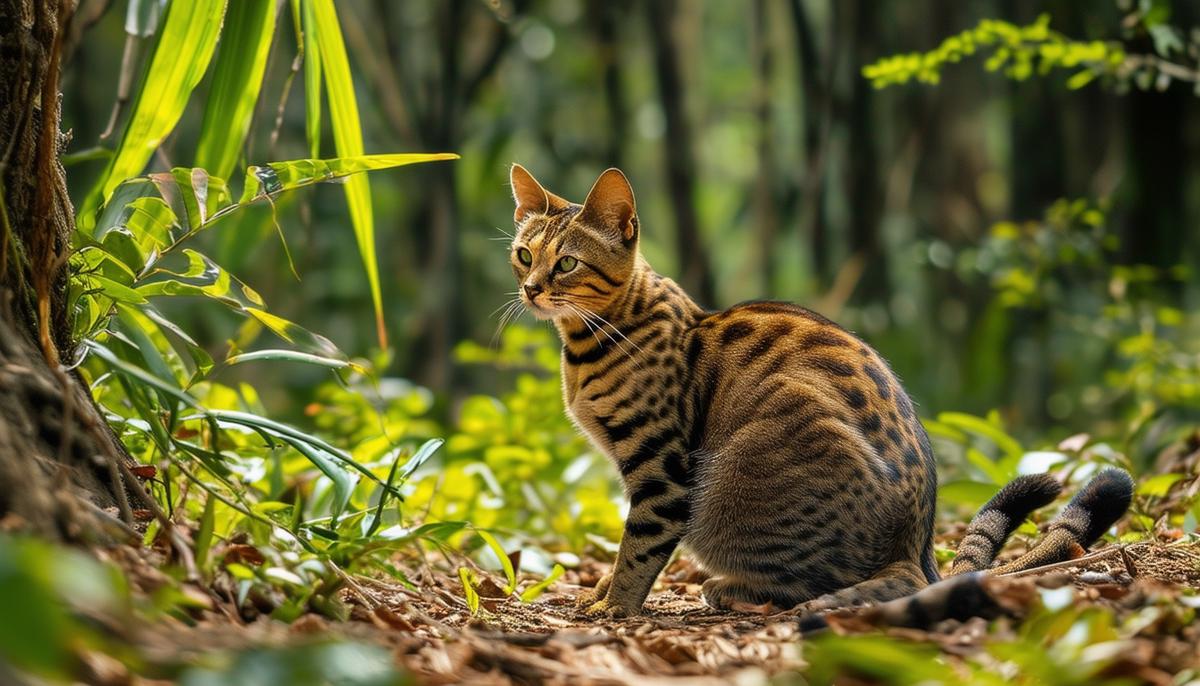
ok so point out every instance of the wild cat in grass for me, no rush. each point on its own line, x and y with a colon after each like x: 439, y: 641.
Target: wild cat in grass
x: 776, y: 446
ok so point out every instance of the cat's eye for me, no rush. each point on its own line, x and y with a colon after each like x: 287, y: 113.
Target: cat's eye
x: 567, y: 263
x: 525, y: 256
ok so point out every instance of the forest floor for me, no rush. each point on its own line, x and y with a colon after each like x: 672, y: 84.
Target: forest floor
x: 432, y: 634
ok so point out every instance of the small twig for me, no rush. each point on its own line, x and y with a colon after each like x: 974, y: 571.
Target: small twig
x: 357, y: 590
x: 1076, y: 562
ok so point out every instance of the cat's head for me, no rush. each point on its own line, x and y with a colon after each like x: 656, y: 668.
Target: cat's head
x: 568, y: 257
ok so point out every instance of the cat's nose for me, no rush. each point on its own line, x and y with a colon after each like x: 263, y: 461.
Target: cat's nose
x: 532, y: 290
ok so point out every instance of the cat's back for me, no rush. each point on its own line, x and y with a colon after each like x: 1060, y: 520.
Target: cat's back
x: 802, y: 433
x: 782, y: 371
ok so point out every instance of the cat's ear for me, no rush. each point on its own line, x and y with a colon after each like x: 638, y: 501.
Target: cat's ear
x: 529, y: 195
x: 610, y: 205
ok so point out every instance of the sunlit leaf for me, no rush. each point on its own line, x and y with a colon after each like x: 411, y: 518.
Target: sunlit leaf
x: 291, y: 356
x: 1007, y: 445
x: 468, y: 579
x: 505, y: 563
x: 237, y: 78
x: 969, y: 493
x: 347, y: 140
x: 302, y: 12
x: 181, y: 56
x: 535, y: 591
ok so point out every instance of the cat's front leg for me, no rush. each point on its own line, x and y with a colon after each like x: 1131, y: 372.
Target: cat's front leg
x: 658, y: 517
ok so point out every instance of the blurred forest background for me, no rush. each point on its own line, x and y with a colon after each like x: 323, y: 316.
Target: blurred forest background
x: 1003, y: 196
x: 1008, y: 243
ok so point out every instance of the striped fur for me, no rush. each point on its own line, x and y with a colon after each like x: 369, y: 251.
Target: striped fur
x: 776, y: 446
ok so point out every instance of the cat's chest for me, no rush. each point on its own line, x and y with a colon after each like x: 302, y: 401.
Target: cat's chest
x: 615, y: 410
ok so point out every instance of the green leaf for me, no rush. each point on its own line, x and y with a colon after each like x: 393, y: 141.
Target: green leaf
x: 347, y: 139
x: 1080, y: 79
x: 533, y: 592
x: 204, y: 535
x: 181, y: 56
x: 291, y: 356
x: 468, y: 579
x: 420, y: 457
x: 1158, y: 486
x: 502, y: 556
x: 136, y: 373
x: 293, y: 435
x: 312, y: 73
x: 117, y: 291
x: 985, y: 464
x: 277, y: 177
x: 969, y: 493
x: 237, y: 79
x: 1007, y: 445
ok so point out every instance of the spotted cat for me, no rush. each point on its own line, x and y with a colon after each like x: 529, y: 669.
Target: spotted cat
x: 778, y: 447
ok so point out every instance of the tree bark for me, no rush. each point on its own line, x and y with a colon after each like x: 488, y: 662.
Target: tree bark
x: 60, y: 465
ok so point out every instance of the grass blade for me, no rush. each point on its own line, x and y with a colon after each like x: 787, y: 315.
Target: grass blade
x: 509, y: 573
x: 347, y: 140
x: 531, y: 594
x: 312, y: 74
x: 185, y: 47
x: 237, y: 79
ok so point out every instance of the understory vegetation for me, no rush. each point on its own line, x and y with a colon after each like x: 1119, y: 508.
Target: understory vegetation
x: 264, y: 351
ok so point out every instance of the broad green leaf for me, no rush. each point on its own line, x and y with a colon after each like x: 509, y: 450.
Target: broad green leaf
x: 1007, y: 445
x: 181, y: 56
x: 193, y: 194
x: 138, y: 374
x: 347, y: 140
x: 237, y: 79
x: 533, y: 592
x: 138, y: 328
x: 1158, y: 485
x: 118, y: 291
x: 509, y: 573
x: 985, y: 464
x: 113, y: 214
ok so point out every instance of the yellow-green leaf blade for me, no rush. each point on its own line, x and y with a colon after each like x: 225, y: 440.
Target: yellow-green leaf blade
x: 347, y: 140
x: 237, y: 80
x: 184, y: 49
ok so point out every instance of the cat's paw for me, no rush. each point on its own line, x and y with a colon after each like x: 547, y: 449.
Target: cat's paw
x: 607, y: 608
x: 728, y: 595
x: 595, y: 595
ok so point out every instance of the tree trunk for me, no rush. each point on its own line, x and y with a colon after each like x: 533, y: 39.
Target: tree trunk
x: 694, y: 273
x: 60, y: 465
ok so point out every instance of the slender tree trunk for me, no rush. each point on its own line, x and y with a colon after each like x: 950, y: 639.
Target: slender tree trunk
x: 604, y: 16
x: 816, y: 92
x: 863, y: 185
x: 695, y: 274
x: 766, y: 202
x: 59, y: 463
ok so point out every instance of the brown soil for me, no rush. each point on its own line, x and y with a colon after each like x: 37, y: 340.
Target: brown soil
x: 678, y: 639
